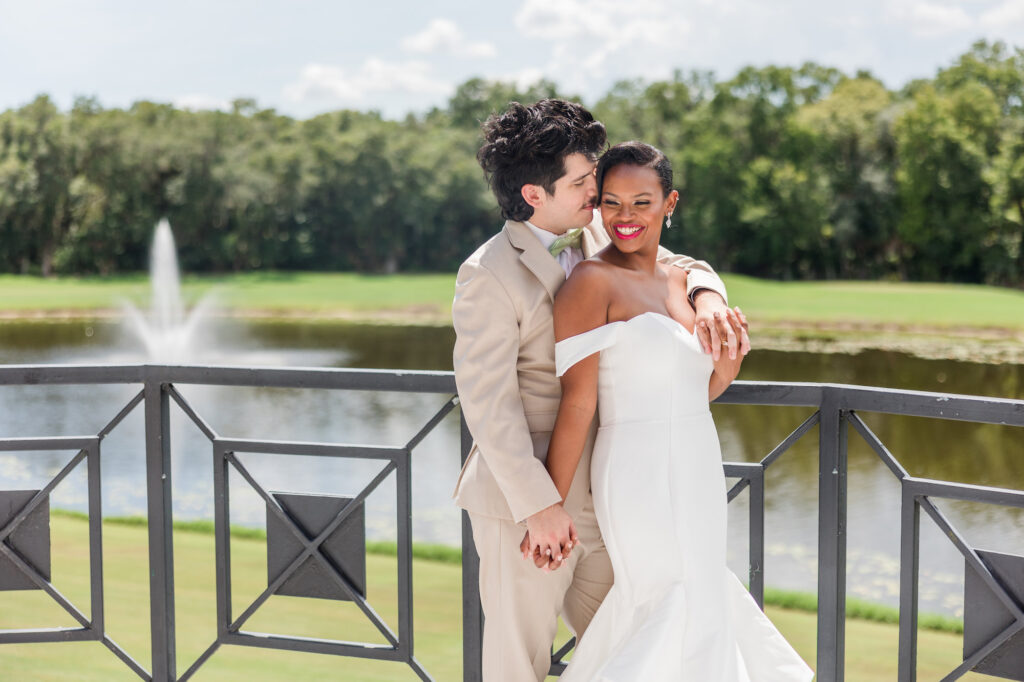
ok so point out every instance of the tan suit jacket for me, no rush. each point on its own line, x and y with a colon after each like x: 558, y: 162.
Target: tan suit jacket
x: 505, y: 370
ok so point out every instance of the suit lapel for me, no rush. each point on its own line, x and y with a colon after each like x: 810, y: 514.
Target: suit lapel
x: 535, y: 257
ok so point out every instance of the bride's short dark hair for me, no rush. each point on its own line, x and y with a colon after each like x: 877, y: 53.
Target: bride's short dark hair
x: 635, y: 153
x: 528, y: 145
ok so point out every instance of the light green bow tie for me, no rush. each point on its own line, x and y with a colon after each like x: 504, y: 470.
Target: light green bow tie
x: 570, y: 239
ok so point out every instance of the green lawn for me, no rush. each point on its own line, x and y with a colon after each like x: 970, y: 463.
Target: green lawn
x: 900, y: 303
x: 427, y: 297
x: 871, y: 648
x: 282, y: 292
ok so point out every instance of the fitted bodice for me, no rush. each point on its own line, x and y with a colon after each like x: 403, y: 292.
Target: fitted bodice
x: 651, y: 368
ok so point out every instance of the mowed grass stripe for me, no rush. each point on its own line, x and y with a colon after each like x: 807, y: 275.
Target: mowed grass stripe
x: 871, y: 647
x: 429, y: 296
x: 889, y: 303
x: 284, y: 292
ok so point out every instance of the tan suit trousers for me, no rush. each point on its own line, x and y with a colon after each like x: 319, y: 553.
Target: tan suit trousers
x: 522, y: 603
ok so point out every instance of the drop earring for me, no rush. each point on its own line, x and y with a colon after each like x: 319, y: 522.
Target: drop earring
x: 668, y: 222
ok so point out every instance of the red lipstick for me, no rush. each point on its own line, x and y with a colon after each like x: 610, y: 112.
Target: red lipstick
x: 628, y: 230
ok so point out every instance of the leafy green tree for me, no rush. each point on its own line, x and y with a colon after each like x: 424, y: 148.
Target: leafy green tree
x: 38, y: 160
x: 849, y: 139
x: 944, y: 142
x: 750, y: 200
x: 1006, y: 176
x: 994, y: 66
x: 783, y: 171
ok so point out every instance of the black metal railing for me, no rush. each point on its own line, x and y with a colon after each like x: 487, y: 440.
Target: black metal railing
x: 993, y: 640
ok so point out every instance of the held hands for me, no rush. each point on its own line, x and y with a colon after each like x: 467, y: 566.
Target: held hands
x: 550, y: 538
x: 720, y: 328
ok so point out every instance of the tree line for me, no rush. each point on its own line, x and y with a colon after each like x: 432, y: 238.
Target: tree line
x: 784, y: 172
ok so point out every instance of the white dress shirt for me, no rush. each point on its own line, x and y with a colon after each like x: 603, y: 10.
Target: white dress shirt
x: 568, y: 258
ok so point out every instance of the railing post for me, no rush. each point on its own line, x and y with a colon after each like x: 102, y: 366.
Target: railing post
x: 472, y: 615
x: 403, y: 485
x: 161, y: 544
x: 910, y: 534
x: 831, y: 537
x: 756, y: 538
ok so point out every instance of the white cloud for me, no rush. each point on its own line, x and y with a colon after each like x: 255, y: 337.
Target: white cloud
x: 335, y: 83
x: 200, y: 102
x: 524, y: 78
x: 442, y: 36
x: 323, y: 81
x: 930, y: 19
x: 645, y: 21
x: 1009, y: 13
x: 587, y: 34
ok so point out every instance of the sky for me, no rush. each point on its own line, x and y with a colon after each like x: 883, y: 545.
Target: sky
x: 305, y: 57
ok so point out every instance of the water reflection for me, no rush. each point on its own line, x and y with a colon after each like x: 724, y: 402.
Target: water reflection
x: 971, y: 453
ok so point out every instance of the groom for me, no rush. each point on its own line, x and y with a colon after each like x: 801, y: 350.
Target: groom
x: 539, y: 161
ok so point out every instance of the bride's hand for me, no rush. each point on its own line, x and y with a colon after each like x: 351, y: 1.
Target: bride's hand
x: 716, y: 334
x: 728, y: 364
x: 524, y: 549
x: 542, y: 562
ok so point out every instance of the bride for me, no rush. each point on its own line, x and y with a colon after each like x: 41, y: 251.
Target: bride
x: 625, y: 335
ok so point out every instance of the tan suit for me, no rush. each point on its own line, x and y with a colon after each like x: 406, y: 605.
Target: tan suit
x: 505, y: 372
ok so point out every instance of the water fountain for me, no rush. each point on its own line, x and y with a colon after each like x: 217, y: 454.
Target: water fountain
x: 168, y: 332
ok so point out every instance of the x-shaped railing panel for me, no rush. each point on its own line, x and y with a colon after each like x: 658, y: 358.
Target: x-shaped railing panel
x: 93, y: 626
x: 399, y: 646
x: 917, y: 494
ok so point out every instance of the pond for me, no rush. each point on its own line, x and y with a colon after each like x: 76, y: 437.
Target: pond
x: 970, y: 453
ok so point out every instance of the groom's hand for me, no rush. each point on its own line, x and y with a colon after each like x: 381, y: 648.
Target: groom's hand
x: 545, y: 563
x: 550, y: 537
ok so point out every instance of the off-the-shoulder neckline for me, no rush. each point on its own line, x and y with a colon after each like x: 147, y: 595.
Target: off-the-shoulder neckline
x: 635, y: 317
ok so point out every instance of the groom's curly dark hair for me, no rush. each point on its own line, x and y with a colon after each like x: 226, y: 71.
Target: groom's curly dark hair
x: 528, y: 145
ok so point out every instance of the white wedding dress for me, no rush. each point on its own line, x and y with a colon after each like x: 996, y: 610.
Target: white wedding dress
x: 676, y: 613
